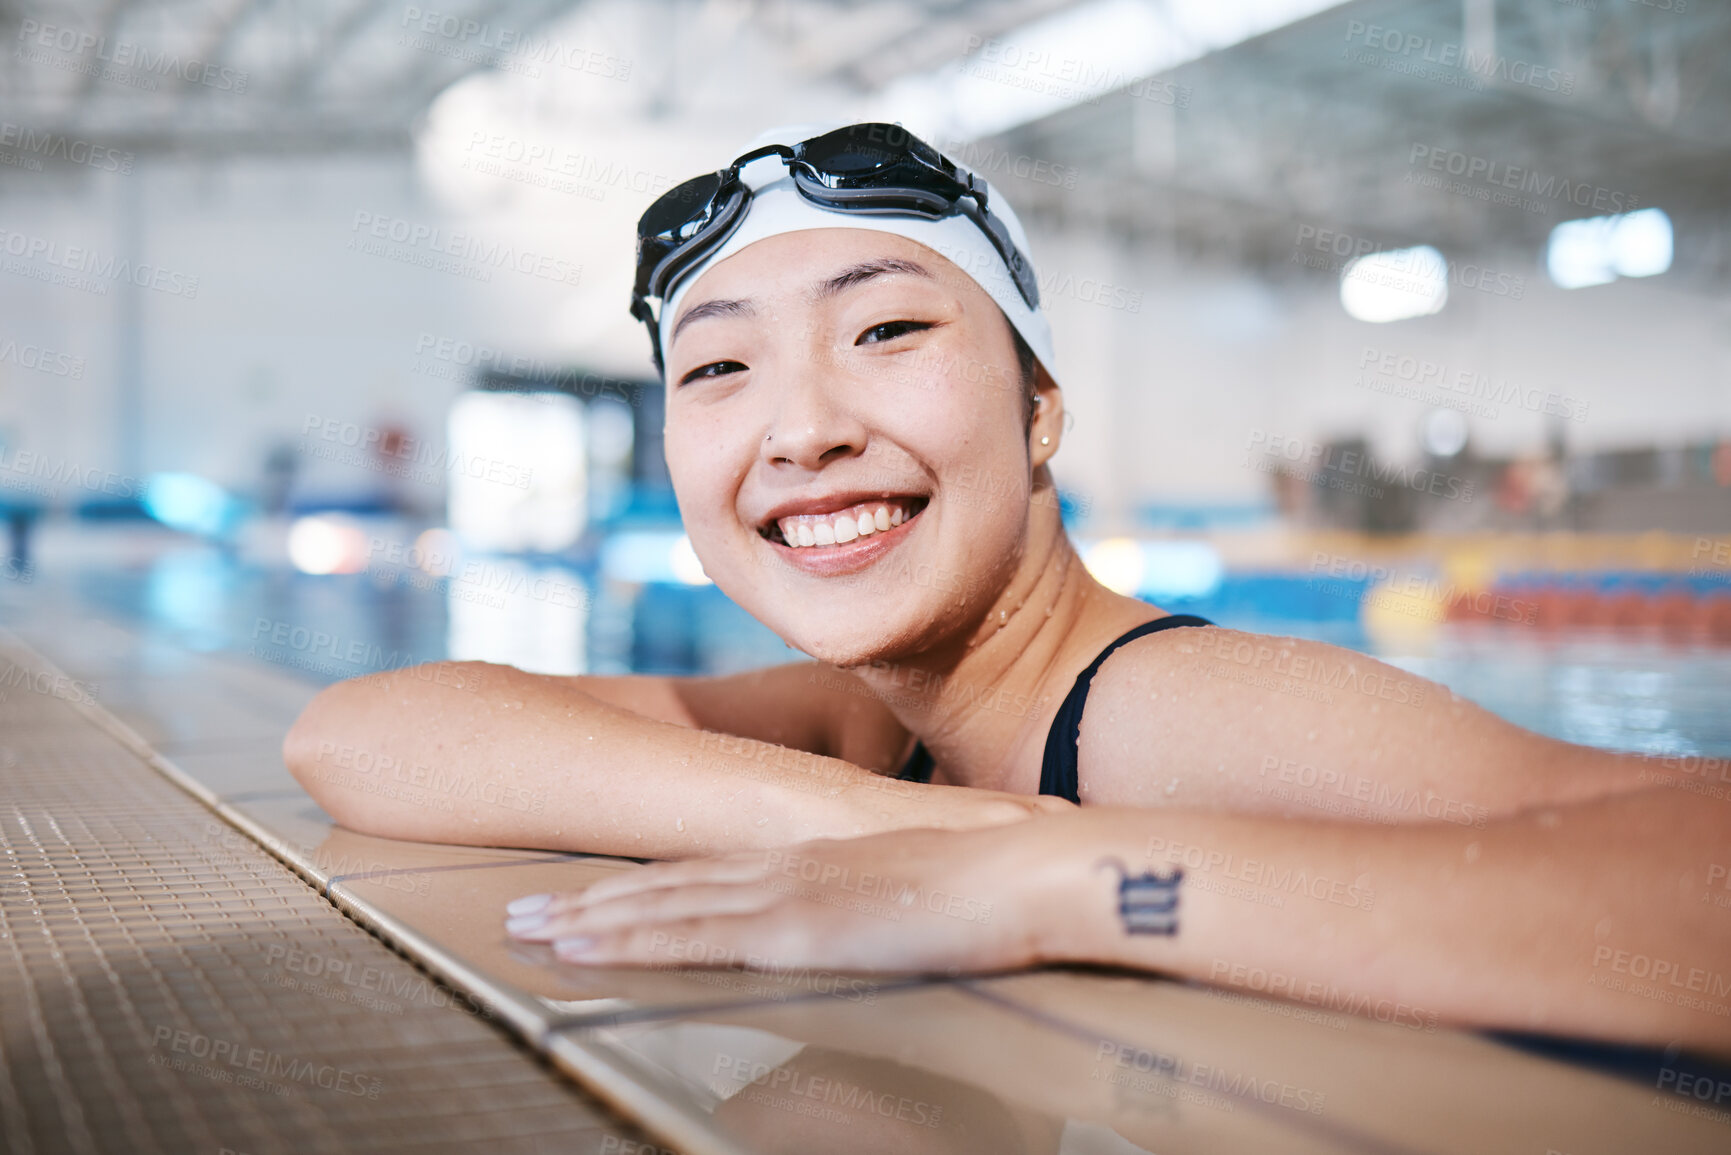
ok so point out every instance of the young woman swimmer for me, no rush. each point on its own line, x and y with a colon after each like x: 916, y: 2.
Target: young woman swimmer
x: 860, y: 413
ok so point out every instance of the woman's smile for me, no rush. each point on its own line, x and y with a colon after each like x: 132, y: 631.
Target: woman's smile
x: 840, y: 534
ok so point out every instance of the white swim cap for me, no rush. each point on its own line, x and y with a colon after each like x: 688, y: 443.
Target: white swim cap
x: 778, y: 207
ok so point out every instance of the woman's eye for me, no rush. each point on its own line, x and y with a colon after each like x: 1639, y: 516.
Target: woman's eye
x: 890, y: 330
x: 713, y: 369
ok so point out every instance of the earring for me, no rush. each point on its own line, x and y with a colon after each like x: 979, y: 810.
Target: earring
x: 1045, y: 441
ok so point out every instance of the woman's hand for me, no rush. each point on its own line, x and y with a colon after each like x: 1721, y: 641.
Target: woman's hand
x: 906, y: 901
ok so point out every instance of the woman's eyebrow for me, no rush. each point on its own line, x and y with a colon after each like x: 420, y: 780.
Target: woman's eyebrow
x: 720, y: 307
x: 848, y: 278
x: 864, y: 271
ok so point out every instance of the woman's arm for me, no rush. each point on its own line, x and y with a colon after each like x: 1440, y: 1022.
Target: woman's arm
x: 487, y: 755
x: 1594, y: 919
x: 1218, y: 719
x: 1597, y: 919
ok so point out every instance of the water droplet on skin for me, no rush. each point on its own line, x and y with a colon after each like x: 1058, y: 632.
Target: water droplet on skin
x: 679, y: 825
x: 1172, y: 786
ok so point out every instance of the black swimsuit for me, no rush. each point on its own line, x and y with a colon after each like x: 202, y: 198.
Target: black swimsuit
x: 1058, y: 768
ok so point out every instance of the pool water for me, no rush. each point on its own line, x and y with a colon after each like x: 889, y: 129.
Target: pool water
x: 1624, y: 690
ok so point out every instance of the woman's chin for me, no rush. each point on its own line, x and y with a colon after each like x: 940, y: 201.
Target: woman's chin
x: 844, y: 648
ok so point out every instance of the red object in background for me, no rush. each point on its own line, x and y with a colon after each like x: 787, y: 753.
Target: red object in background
x: 1722, y: 463
x: 1678, y: 612
x: 1718, y: 617
x: 1515, y: 488
x: 392, y: 438
x: 1629, y: 610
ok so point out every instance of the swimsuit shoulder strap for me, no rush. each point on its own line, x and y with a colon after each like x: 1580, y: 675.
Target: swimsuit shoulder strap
x: 1058, y: 768
x: 918, y: 767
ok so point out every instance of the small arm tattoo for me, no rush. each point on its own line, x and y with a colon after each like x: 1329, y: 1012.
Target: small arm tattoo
x: 1148, y: 903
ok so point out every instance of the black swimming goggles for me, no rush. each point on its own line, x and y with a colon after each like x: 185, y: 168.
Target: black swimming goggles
x: 863, y: 168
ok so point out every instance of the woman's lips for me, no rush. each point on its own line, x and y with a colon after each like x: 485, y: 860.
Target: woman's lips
x: 840, y: 526
x: 846, y: 557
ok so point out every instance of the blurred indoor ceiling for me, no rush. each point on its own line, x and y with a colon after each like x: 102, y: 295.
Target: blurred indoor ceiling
x: 1293, y: 129
x: 327, y: 75
x: 1289, y: 119
x: 320, y: 75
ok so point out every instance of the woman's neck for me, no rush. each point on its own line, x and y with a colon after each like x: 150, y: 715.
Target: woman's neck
x: 982, y: 704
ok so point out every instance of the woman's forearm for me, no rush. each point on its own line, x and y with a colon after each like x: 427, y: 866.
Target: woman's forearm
x: 1588, y: 919
x: 485, y: 755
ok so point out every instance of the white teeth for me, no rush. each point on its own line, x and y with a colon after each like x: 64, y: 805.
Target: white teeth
x: 843, y: 526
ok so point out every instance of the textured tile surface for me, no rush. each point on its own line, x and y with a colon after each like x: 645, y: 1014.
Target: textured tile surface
x: 164, y: 991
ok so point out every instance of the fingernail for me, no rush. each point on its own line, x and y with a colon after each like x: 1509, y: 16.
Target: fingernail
x: 524, y: 923
x: 528, y: 904
x: 576, y: 944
